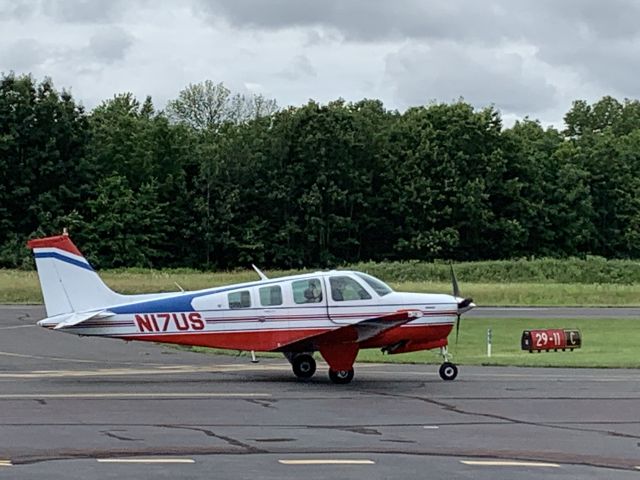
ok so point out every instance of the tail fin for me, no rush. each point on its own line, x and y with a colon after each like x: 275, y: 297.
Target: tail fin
x: 69, y: 283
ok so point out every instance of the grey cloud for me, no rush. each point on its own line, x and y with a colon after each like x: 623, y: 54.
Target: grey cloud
x: 87, y: 11
x: 110, y: 44
x: 612, y: 19
x: 612, y: 65
x: 594, y: 39
x: 16, y: 9
x: 300, y: 67
x: 319, y: 37
x: 446, y: 72
x: 23, y: 55
x: 356, y: 19
x: 485, y: 21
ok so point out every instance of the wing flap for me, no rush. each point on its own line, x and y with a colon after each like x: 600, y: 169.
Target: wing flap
x: 356, y: 332
x: 375, y: 326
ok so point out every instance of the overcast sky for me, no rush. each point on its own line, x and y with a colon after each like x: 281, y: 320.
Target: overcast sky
x: 526, y: 57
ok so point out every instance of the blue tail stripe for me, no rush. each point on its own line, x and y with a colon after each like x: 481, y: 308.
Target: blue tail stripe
x: 62, y: 258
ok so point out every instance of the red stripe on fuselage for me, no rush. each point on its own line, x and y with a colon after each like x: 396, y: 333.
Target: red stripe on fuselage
x: 265, y: 340
x: 268, y: 340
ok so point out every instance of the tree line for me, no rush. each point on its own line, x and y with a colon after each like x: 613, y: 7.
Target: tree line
x: 220, y: 180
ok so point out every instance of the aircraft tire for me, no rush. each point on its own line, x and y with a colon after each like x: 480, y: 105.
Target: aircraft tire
x: 341, y: 377
x: 448, y: 371
x: 304, y: 366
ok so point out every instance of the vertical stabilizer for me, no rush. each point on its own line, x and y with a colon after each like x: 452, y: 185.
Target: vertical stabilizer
x: 69, y: 283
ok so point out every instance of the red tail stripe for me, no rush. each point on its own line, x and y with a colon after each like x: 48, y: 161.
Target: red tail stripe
x: 63, y: 242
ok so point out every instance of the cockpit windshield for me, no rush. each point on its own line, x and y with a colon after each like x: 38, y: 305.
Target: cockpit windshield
x: 378, y: 286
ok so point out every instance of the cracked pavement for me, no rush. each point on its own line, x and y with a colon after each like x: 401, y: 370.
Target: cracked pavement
x: 67, y: 401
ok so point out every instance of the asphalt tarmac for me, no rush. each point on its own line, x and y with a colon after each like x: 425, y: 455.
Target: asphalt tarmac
x: 89, y: 408
x: 555, y: 312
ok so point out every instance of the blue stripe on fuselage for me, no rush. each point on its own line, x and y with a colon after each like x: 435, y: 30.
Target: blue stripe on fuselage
x: 62, y: 258
x: 179, y: 303
x: 182, y: 302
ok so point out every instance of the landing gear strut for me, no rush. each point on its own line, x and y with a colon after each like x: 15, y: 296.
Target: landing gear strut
x: 341, y: 376
x: 448, y: 371
x: 304, y: 365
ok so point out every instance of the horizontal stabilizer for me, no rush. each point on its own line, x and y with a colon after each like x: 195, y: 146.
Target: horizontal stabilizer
x: 69, y: 320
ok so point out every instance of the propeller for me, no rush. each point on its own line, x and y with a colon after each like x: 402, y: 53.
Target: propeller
x: 464, y: 304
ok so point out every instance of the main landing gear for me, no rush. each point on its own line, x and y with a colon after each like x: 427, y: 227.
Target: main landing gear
x: 448, y: 371
x: 341, y: 377
x: 304, y: 365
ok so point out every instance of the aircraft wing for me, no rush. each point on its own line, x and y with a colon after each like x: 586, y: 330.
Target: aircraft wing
x: 355, y: 332
x: 70, y: 319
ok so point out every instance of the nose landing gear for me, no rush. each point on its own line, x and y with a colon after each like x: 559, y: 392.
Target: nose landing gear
x: 448, y: 371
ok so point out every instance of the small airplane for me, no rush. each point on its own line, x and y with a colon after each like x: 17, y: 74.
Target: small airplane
x: 334, y: 312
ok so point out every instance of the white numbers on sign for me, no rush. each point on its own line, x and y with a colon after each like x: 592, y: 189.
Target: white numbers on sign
x: 542, y: 339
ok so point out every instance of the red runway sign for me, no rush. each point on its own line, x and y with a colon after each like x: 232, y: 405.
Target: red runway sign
x: 551, y: 339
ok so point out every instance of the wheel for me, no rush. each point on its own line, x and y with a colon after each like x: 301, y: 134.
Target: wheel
x: 304, y: 366
x: 341, y: 376
x: 448, y: 371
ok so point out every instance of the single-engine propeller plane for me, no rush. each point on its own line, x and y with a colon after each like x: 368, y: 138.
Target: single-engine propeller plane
x: 336, y: 313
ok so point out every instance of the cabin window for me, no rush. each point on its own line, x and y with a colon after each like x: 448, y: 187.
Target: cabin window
x: 378, y: 286
x: 271, y: 296
x: 240, y: 299
x: 347, y: 289
x: 307, y: 291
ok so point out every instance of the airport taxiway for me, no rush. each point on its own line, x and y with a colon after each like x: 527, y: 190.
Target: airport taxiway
x: 99, y: 408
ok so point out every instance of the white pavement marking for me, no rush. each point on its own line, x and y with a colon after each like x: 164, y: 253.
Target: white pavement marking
x: 431, y: 427
x: 57, y: 359
x: 163, y: 370
x: 529, y: 377
x: 19, y: 396
x: 146, y: 460
x: 6, y: 463
x: 16, y: 326
x: 519, y: 309
x: 508, y: 463
x: 316, y: 461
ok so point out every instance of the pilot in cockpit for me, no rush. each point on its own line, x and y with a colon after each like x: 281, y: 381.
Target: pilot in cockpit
x: 337, y: 289
x: 313, y: 293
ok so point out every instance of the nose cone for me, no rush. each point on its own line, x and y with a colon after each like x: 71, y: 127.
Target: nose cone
x: 464, y: 304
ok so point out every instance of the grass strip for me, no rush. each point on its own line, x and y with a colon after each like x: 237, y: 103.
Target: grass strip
x: 22, y: 287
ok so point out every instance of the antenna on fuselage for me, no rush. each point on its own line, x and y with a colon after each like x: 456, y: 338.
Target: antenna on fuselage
x: 259, y: 272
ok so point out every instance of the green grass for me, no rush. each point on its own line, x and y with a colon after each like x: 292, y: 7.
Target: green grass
x: 607, y: 343
x: 537, y: 270
x: 18, y: 286
x: 536, y: 294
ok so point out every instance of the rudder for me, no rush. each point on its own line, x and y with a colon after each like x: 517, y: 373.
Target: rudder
x: 69, y: 283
